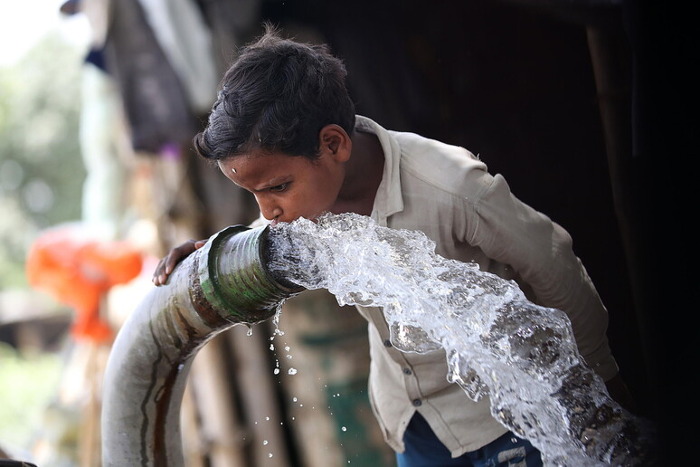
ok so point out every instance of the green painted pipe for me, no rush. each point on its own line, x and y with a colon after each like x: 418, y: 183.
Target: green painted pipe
x: 220, y: 285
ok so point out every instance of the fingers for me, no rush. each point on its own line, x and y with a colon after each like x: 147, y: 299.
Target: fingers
x: 166, y: 265
x: 159, y: 275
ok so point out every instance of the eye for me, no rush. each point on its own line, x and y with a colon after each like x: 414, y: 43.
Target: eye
x: 279, y: 188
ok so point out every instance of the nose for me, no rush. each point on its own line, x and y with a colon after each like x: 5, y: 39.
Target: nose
x: 269, y: 208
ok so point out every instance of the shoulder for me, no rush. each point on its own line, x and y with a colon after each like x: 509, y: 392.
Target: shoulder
x: 445, y: 166
x: 429, y: 165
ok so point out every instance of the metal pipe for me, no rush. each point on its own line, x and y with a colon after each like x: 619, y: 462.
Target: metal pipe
x: 218, y: 286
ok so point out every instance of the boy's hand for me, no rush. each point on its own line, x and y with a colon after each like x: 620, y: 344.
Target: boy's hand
x: 619, y: 392
x: 166, y: 265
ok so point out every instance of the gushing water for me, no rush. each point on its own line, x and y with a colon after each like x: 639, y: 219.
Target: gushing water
x: 497, y: 343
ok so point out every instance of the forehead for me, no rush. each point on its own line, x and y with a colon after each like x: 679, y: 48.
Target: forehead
x: 259, y: 165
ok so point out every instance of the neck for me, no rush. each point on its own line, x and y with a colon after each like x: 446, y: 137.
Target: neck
x: 363, y: 174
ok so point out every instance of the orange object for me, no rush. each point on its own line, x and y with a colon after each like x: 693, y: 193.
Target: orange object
x: 78, y: 271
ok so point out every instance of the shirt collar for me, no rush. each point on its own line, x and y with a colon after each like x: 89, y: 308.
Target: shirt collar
x: 389, y: 199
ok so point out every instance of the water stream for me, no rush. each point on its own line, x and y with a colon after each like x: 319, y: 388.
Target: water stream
x: 497, y: 343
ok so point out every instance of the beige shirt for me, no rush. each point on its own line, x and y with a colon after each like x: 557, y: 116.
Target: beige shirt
x: 447, y: 193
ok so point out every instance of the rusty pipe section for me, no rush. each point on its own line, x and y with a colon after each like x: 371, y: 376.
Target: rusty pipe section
x: 220, y: 285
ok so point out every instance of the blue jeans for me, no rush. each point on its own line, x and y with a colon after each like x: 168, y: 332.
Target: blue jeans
x: 423, y: 449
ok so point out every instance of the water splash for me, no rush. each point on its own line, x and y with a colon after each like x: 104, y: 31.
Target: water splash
x: 497, y: 343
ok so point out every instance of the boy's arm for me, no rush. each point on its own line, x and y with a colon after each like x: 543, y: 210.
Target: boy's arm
x: 541, y: 252
x: 618, y: 390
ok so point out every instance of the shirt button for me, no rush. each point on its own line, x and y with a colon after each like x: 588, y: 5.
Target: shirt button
x: 407, y: 371
x: 416, y: 402
x: 387, y: 343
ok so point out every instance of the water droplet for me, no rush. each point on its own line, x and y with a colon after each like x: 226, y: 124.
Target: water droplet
x: 292, y: 371
x: 344, y: 428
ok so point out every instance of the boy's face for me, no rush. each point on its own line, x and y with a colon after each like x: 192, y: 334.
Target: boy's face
x: 287, y: 187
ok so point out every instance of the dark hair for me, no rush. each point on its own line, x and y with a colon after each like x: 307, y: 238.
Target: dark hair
x: 277, y: 96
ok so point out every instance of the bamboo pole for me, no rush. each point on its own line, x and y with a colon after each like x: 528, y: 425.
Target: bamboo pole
x: 220, y: 429
x: 258, y: 397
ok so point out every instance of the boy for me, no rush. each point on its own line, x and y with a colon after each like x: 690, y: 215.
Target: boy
x: 284, y: 128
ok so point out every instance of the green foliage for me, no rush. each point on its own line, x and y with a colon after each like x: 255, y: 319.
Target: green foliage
x: 28, y: 384
x: 41, y: 170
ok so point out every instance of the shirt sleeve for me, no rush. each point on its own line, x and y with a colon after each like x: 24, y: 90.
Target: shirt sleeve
x: 541, y: 252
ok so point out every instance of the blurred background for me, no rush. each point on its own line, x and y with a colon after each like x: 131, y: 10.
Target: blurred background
x: 99, y: 101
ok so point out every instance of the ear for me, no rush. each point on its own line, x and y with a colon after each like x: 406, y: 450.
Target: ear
x: 335, y: 142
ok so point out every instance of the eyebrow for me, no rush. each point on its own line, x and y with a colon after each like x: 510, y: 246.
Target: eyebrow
x: 277, y: 181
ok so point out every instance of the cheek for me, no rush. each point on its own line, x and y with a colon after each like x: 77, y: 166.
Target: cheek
x: 328, y: 185
x: 294, y: 205
x: 326, y: 191
x: 309, y: 204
